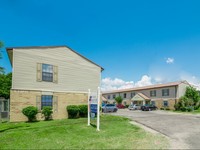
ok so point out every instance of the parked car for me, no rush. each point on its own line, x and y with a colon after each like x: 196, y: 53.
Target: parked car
x: 148, y: 107
x: 134, y: 107
x: 109, y: 108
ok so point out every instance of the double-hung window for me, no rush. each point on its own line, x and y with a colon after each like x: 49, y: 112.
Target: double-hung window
x: 47, y: 72
x: 46, y: 100
x: 153, y: 93
x: 165, y: 92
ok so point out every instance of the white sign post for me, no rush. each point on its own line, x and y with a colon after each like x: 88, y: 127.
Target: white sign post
x: 94, y: 106
x: 89, y: 107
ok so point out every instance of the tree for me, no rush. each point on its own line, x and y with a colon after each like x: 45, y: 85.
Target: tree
x: 191, y: 100
x: 5, y: 82
x: 1, y: 68
x: 119, y: 99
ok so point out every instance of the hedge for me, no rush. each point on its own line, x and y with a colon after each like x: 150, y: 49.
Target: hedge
x: 76, y: 111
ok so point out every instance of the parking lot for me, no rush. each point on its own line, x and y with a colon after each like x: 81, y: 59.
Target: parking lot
x: 182, y: 130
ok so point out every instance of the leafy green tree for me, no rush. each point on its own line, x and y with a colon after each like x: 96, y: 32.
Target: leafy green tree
x: 191, y: 99
x: 5, y: 82
x: 119, y: 99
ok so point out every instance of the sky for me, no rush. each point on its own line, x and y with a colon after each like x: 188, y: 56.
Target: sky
x: 137, y: 42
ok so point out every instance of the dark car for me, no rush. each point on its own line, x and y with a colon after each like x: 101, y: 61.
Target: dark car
x: 148, y: 107
x: 109, y: 108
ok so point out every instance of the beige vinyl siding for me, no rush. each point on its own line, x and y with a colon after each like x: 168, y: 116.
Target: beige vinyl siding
x: 181, y: 90
x: 74, y: 72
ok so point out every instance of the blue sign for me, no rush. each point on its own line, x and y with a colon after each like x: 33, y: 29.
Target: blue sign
x: 93, y: 108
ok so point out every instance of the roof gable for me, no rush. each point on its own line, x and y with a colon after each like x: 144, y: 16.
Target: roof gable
x: 10, y: 49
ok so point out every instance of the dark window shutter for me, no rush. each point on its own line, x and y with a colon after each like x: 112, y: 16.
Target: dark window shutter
x: 55, y: 103
x: 38, y: 102
x: 55, y: 74
x: 39, y: 72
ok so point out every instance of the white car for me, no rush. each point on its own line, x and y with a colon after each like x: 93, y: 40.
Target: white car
x: 134, y: 107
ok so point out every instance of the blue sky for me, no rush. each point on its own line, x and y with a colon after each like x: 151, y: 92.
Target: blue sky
x: 131, y: 39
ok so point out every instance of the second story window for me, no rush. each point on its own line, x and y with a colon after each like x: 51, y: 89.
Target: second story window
x: 132, y: 94
x: 165, y: 92
x: 153, y: 93
x: 47, y: 72
x: 108, y: 96
x: 114, y: 96
x: 124, y: 95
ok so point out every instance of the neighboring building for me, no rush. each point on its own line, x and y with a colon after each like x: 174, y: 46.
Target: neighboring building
x: 53, y: 76
x: 161, y: 95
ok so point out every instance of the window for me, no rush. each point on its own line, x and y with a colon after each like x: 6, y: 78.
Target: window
x: 132, y: 94
x: 108, y: 96
x: 153, y: 93
x: 165, y: 103
x: 153, y: 103
x: 124, y: 95
x: 114, y: 96
x: 165, y: 92
x: 5, y: 105
x: 47, y: 100
x: 47, y: 73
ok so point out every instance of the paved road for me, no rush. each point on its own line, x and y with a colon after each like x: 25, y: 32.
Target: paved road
x: 183, y: 130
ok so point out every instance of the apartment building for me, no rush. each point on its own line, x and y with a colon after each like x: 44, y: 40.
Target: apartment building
x: 54, y: 76
x: 161, y: 95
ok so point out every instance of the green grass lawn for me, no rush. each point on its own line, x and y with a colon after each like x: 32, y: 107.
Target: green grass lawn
x: 116, y: 133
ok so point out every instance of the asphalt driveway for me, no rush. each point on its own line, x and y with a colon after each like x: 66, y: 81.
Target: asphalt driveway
x: 183, y: 130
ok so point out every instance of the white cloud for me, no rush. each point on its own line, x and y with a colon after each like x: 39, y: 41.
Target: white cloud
x: 170, y: 60
x: 145, y: 81
x: 109, y: 84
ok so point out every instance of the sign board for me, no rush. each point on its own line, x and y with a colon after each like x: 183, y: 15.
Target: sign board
x: 93, y: 108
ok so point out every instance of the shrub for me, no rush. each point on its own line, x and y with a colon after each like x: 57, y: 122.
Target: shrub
x: 190, y: 109
x: 30, y: 112
x: 47, y: 111
x: 83, y: 110
x: 120, y: 106
x: 177, y: 106
x: 73, y: 111
x: 162, y: 108
x: 127, y: 106
x: 167, y: 108
x: 184, y: 109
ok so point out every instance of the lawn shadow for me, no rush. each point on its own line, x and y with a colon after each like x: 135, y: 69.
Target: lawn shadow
x: 93, y: 125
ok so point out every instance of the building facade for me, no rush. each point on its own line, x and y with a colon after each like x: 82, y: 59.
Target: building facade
x: 161, y: 95
x: 54, y: 76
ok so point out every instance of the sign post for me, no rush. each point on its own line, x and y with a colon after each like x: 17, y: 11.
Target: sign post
x: 98, y: 111
x: 94, y: 106
x: 89, y: 107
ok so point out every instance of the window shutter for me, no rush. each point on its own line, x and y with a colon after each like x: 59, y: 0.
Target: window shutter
x: 55, y: 103
x: 39, y: 72
x: 55, y: 74
x: 38, y: 102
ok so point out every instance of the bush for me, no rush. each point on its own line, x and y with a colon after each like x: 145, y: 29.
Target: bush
x: 73, y: 111
x: 184, y: 109
x: 120, y: 106
x: 127, y: 106
x: 83, y: 110
x: 190, y: 109
x: 167, y: 108
x: 47, y: 111
x: 162, y: 108
x: 30, y: 112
